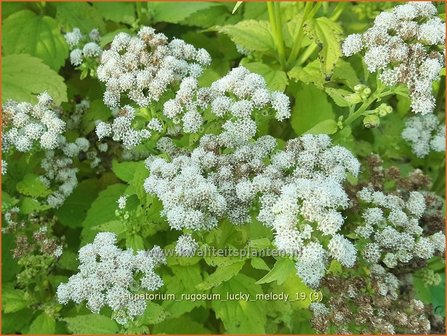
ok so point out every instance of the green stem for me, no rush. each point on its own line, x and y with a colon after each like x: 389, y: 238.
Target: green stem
x: 139, y: 12
x: 367, y: 103
x: 298, y: 39
x: 276, y: 24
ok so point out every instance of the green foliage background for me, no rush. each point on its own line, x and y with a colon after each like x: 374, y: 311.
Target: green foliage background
x: 303, y: 60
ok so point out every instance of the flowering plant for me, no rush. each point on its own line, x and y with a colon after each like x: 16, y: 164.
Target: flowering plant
x: 211, y: 168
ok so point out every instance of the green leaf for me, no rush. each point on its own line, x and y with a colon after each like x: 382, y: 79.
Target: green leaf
x: 345, y: 72
x: 328, y: 126
x: 175, y: 12
x: 25, y: 76
x: 68, y: 261
x: 275, y: 79
x: 31, y: 185
x: 115, y: 226
x: 103, y: 208
x: 183, y: 282
x: 181, y: 325
x: 153, y: 314
x: 25, y: 32
x: 340, y: 96
x: 259, y: 244
x: 79, y: 15
x: 310, y: 74
x: 14, y: 323
x: 117, y: 11
x: 13, y: 299
x: 8, y: 273
x: 240, y: 316
x: 279, y: 273
x: 91, y: 324
x: 125, y: 170
x: 311, y: 107
x: 293, y: 286
x: 74, y: 210
x: 137, y: 181
x: 29, y: 205
x: 328, y: 35
x: 43, y: 324
x: 251, y: 34
x: 222, y: 274
x: 135, y: 242
x: 259, y: 263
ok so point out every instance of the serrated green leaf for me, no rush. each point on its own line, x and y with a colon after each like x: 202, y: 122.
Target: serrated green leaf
x: 80, y: 15
x: 135, y: 242
x: 25, y: 76
x: 309, y: 74
x: 279, y: 273
x: 31, y: 185
x: 239, y: 316
x: 183, y: 282
x: 91, y: 324
x: 43, y: 324
x: 29, y: 205
x: 181, y: 325
x: 339, y: 96
x: 328, y: 35
x: 125, y: 170
x: 8, y: 273
x: 74, y: 210
x: 175, y: 12
x: 259, y: 263
x: 153, y: 314
x: 25, y: 32
x: 344, y: 71
x: 222, y: 274
x: 251, y: 34
x: 68, y: 261
x: 260, y: 243
x: 311, y: 107
x: 103, y: 208
x: 276, y: 79
x: 13, y: 299
x: 115, y: 226
x: 117, y: 11
x: 328, y: 126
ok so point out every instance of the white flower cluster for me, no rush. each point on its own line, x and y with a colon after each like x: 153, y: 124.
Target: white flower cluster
x: 122, y: 128
x: 4, y: 167
x: 304, y: 186
x: 107, y: 277
x: 236, y: 96
x: 25, y: 124
x: 407, y: 46
x: 186, y: 246
x: 392, y: 231
x: 299, y: 186
x: 145, y: 66
x: 59, y: 171
x: 424, y: 133
x: 83, y: 47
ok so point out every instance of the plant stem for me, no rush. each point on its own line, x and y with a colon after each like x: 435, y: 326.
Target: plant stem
x: 139, y: 12
x: 367, y: 103
x: 276, y: 24
x: 298, y: 39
